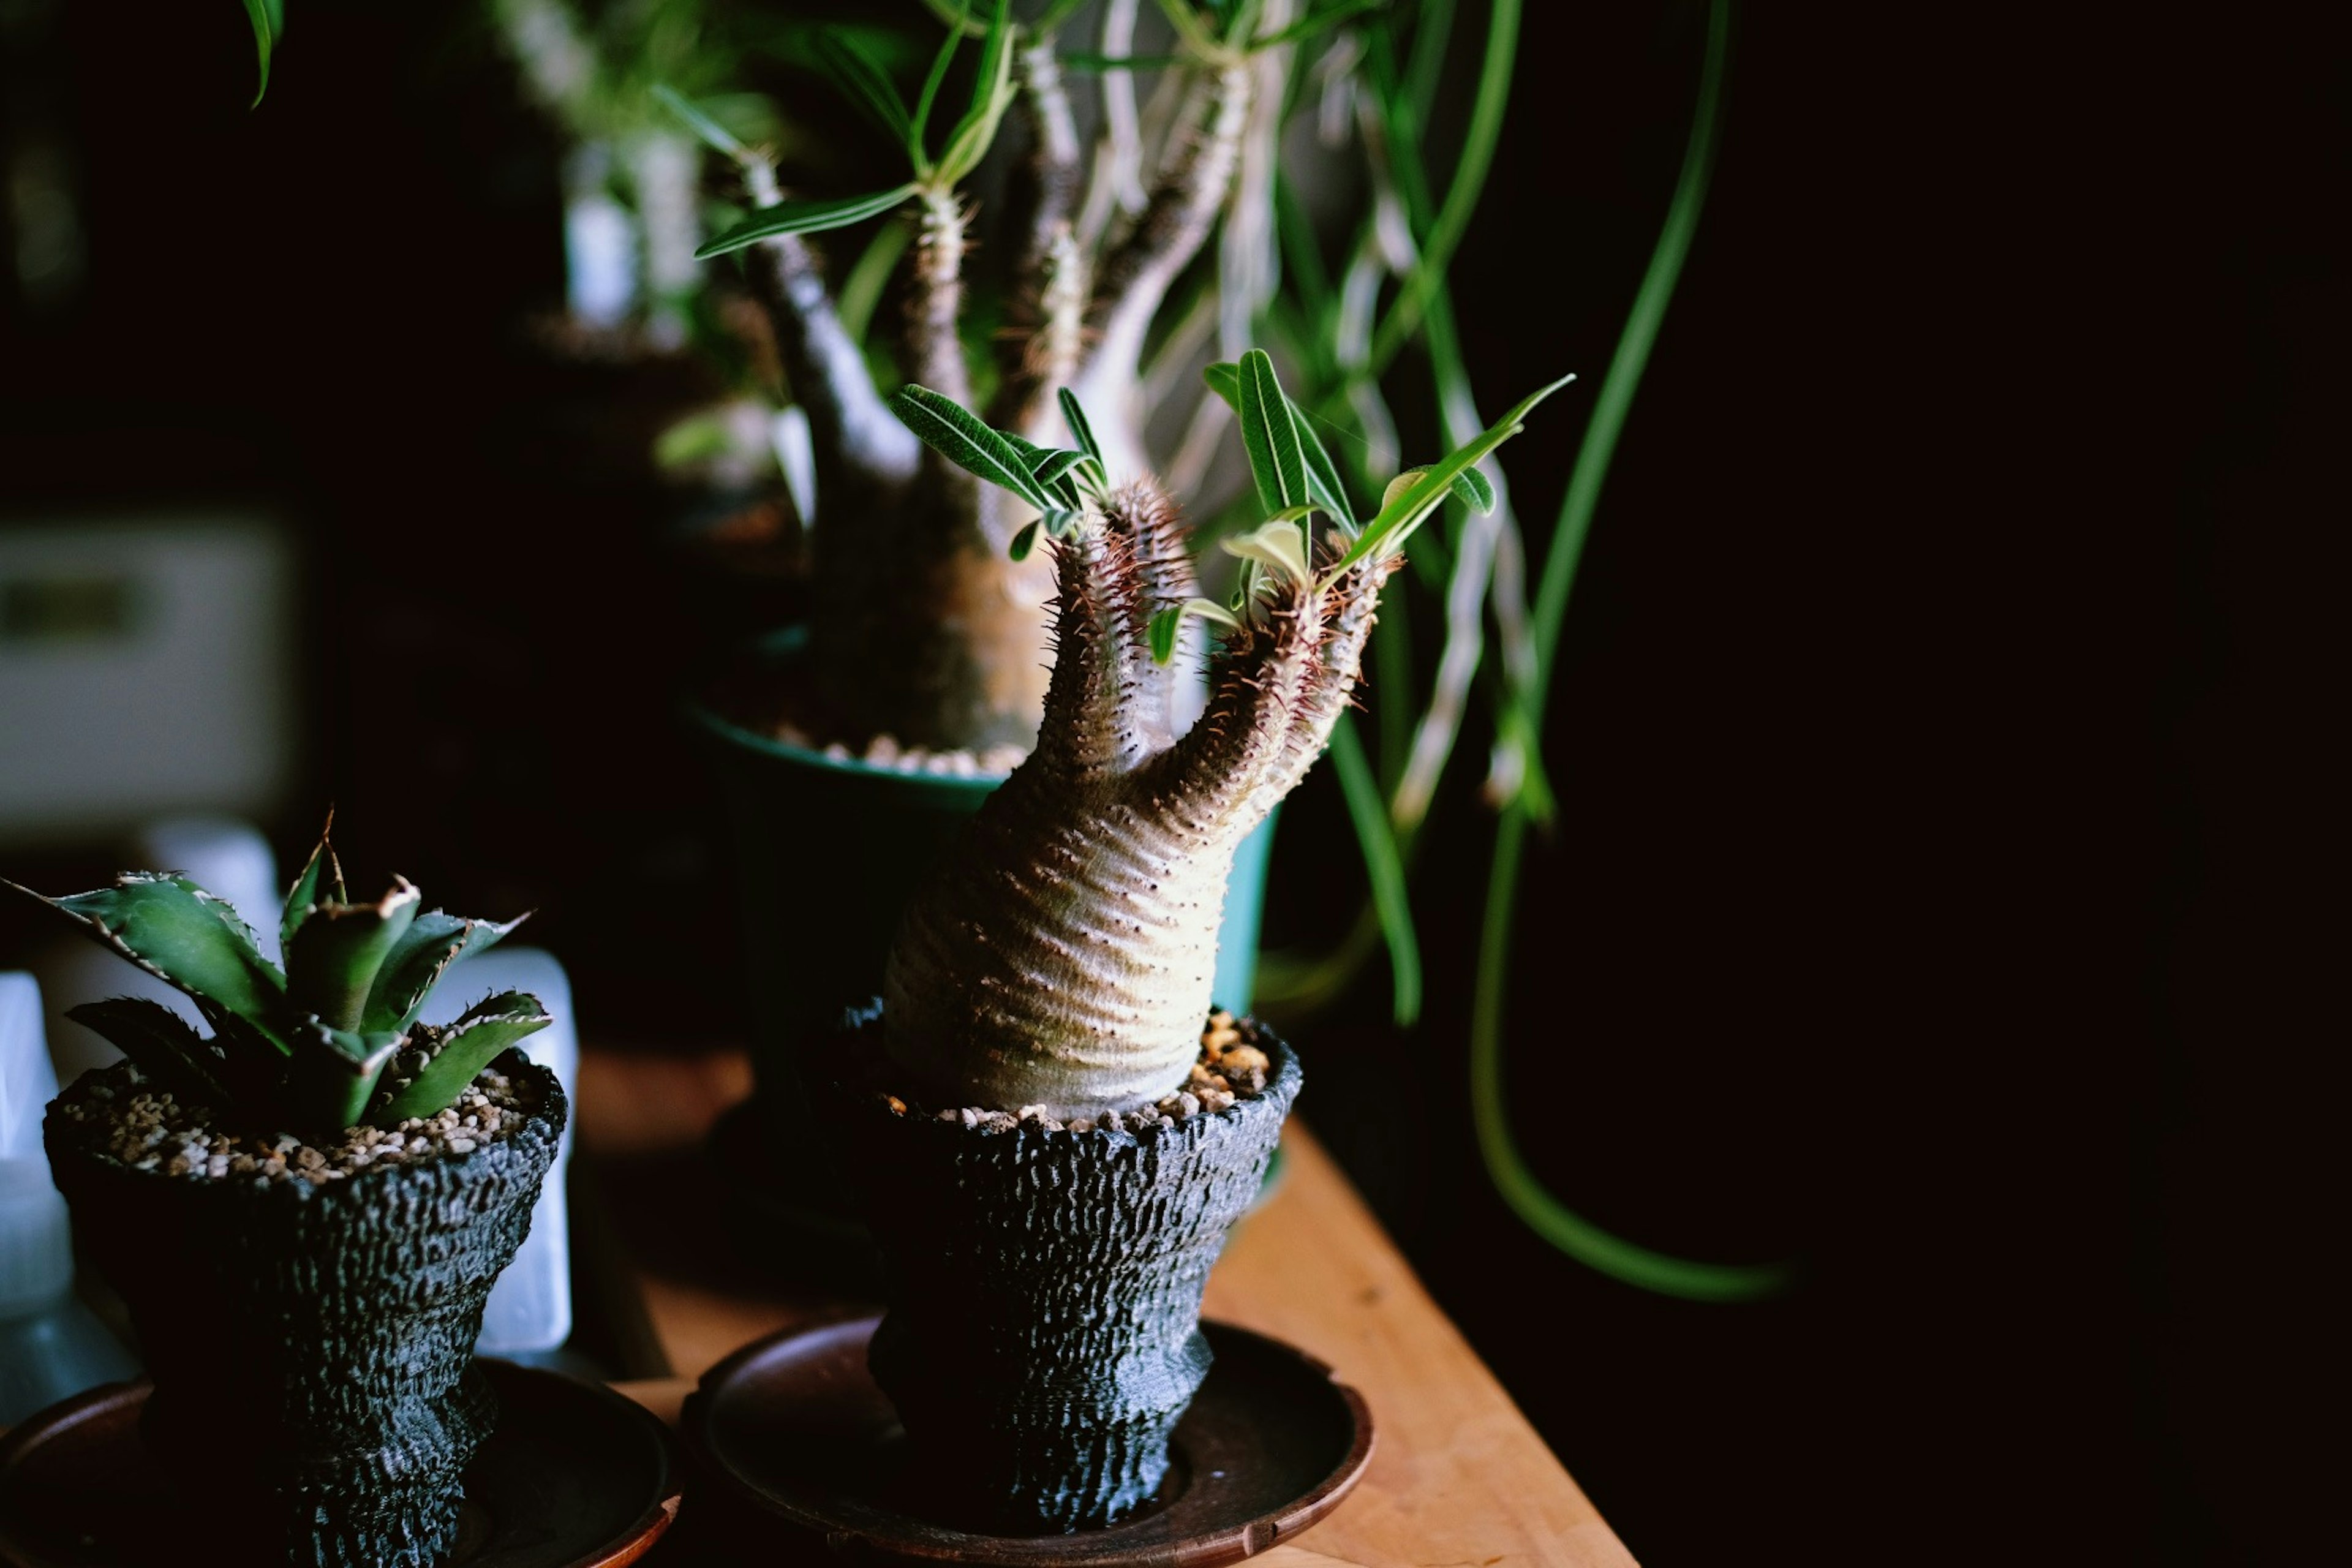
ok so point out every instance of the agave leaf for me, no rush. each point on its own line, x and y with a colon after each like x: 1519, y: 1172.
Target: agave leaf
x: 310, y: 888
x: 332, y: 961
x: 1398, y: 517
x: 160, y: 1044
x: 1276, y: 459
x: 965, y: 439
x: 798, y: 216
x: 467, y: 1046
x: 185, y: 937
x: 418, y: 960
x: 333, y: 1075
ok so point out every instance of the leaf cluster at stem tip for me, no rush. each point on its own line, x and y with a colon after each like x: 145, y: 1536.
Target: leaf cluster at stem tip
x: 1295, y: 476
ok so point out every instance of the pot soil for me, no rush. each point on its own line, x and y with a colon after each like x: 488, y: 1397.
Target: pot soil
x: 1043, y: 1333
x: 311, y: 1344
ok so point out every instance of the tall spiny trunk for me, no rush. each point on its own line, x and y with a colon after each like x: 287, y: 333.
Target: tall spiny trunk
x: 1064, y: 956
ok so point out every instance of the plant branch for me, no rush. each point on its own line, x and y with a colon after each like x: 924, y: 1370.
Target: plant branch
x: 1041, y: 346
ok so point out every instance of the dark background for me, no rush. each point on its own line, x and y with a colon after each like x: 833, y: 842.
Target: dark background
x: 1936, y: 893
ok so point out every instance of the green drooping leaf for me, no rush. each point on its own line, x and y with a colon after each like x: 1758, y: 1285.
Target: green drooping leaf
x: 1309, y: 26
x: 1470, y: 487
x: 1050, y: 469
x: 467, y: 1046
x: 184, y: 936
x: 714, y: 134
x: 1023, y: 542
x: 1061, y: 522
x: 332, y: 962
x: 865, y: 80
x: 992, y: 93
x: 321, y: 880
x: 1279, y: 545
x: 423, y: 953
x: 1367, y: 811
x: 161, y: 1045
x: 333, y: 1075
x: 1270, y: 436
x: 916, y: 147
x: 1081, y: 430
x: 1324, y: 486
x: 965, y: 439
x: 268, y: 19
x: 798, y: 216
x: 1398, y: 518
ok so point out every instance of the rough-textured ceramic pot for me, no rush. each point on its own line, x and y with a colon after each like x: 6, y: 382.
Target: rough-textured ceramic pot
x: 315, y: 1397
x: 1043, y: 1331
x: 827, y: 851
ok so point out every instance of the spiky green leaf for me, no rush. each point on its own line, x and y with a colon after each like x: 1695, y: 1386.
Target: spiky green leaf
x: 167, y: 1052
x: 334, y: 960
x: 467, y: 1046
x: 1398, y: 518
x: 183, y: 935
x: 965, y: 439
x: 798, y: 216
x: 320, y: 881
x: 333, y: 1075
x: 423, y: 953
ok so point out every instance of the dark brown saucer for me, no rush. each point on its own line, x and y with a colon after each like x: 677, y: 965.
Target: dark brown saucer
x: 574, y: 1476
x: 792, y: 1428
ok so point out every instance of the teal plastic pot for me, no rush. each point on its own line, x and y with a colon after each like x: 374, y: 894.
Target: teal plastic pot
x: 827, y: 853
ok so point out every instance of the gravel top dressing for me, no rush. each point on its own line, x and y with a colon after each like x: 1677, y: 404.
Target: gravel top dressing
x: 1230, y: 1067
x: 115, y: 1112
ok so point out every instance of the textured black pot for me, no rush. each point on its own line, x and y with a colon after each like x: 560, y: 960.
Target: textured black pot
x: 312, y: 1347
x: 1043, y: 1331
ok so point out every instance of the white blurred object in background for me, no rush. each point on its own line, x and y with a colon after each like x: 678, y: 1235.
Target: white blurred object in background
x: 530, y: 1311
x: 51, y: 1345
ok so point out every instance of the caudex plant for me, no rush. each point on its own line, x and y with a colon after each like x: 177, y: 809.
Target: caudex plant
x: 1062, y: 956
x: 927, y: 625
x: 332, y: 1041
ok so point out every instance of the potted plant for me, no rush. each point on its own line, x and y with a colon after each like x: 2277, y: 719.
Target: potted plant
x: 306, y: 1208
x: 1049, y: 1147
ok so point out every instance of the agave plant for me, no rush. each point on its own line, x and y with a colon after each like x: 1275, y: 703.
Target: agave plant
x: 927, y: 625
x: 1062, y: 956
x: 332, y: 1041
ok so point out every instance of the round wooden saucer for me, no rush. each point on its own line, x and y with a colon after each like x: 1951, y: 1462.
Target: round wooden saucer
x: 793, y: 1428
x: 574, y: 1476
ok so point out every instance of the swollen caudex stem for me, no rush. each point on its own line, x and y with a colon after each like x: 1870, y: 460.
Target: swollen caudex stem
x: 1062, y: 956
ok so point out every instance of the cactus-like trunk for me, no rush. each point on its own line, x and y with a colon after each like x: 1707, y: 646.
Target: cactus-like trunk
x: 1064, y: 955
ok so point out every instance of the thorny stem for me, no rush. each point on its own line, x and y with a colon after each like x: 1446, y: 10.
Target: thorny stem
x: 1064, y: 955
x: 935, y: 351
x: 1117, y: 184
x: 1042, y: 344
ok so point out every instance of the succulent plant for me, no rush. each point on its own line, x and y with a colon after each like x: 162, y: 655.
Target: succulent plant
x: 1062, y: 955
x: 334, y: 1039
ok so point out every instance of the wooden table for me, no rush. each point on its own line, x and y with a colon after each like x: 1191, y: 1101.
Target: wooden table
x: 1458, y: 1478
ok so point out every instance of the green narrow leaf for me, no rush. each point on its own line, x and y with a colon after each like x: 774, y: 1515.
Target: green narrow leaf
x: 332, y: 962
x: 1277, y: 462
x: 865, y: 80
x: 1062, y: 522
x: 312, y: 888
x: 423, y: 953
x: 1324, y: 485
x: 1469, y: 486
x: 717, y: 135
x: 183, y: 935
x: 1050, y: 468
x: 1400, y: 517
x: 1280, y: 544
x: 965, y: 439
x: 268, y: 19
x: 1023, y: 542
x: 1307, y: 26
x: 1376, y: 834
x: 798, y: 216
x: 1165, y: 627
x: 161, y: 1045
x: 1081, y: 430
x: 991, y: 92
x: 467, y: 1046
x: 1224, y: 379
x: 916, y: 147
